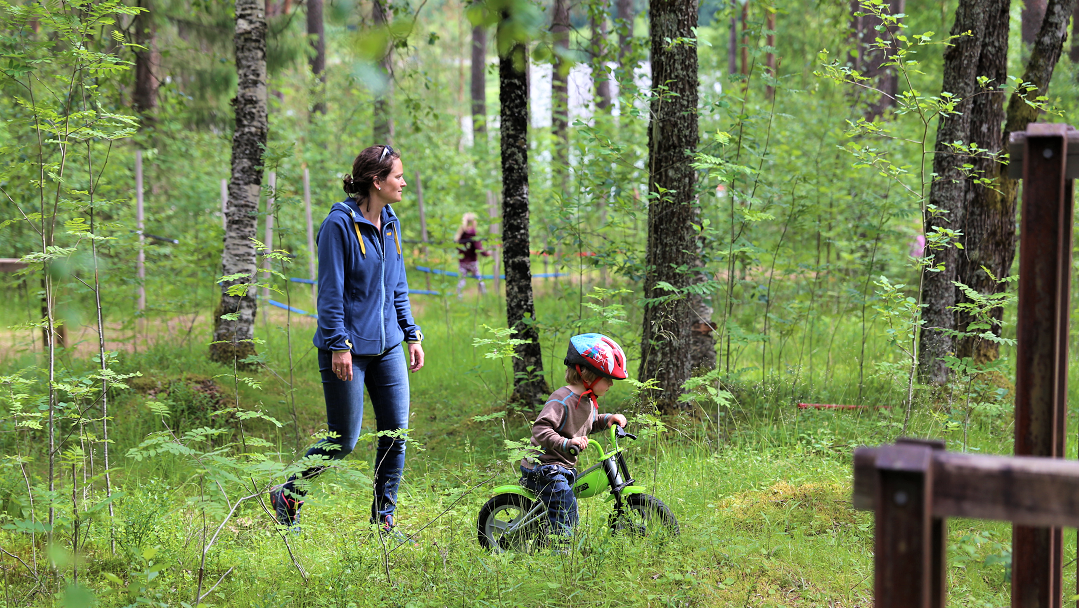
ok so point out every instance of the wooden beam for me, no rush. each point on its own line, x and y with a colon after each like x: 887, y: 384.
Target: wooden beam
x: 1027, y: 490
x: 11, y: 265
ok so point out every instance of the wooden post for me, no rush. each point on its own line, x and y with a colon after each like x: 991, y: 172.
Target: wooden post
x: 909, y: 542
x: 312, y: 253
x: 1041, y: 353
x: 224, y: 204
x: 492, y: 212
x: 423, y: 225
x: 140, y: 260
x: 268, y: 241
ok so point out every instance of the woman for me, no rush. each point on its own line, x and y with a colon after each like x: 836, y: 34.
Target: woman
x: 468, y: 266
x: 363, y: 316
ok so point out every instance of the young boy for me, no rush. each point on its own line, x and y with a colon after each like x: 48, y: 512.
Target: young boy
x: 571, y: 413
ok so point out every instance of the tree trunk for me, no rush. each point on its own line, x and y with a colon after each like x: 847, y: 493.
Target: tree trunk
x: 233, y: 338
x: 598, y: 25
x: 479, y: 84
x: 529, y: 385
x: 948, y: 190
x: 1032, y: 16
x: 383, y: 110
x: 317, y: 38
x: 985, y: 237
x: 870, y: 61
x: 732, y: 41
x: 991, y: 225
x: 144, y: 95
x: 559, y: 88
x: 624, y: 14
x: 745, y: 38
x: 672, y: 241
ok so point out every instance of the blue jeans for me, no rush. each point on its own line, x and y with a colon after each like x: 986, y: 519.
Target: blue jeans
x: 553, y: 485
x: 386, y: 379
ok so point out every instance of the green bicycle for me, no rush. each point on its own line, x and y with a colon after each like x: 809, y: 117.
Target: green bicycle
x: 514, y: 520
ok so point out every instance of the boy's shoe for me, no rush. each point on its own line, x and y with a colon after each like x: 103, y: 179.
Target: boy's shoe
x: 286, y: 510
x: 389, y: 531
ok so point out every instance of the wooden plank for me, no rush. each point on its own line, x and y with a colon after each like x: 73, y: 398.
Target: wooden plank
x: 1017, y: 150
x: 908, y: 540
x: 11, y: 265
x: 140, y: 259
x: 423, y: 224
x: 1040, y: 391
x: 312, y: 253
x: 1027, y: 490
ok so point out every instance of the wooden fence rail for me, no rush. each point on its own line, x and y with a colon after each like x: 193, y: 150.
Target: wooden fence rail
x: 913, y: 486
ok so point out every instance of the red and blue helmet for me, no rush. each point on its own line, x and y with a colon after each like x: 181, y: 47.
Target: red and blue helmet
x: 599, y: 354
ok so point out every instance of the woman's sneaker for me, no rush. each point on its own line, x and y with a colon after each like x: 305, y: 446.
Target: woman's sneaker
x: 287, y: 510
x: 389, y: 531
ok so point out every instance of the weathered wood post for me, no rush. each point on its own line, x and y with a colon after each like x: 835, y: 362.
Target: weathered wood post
x: 1045, y: 238
x: 140, y: 260
x: 423, y: 226
x: 909, y: 544
x: 311, y: 251
x: 268, y: 240
x: 492, y: 212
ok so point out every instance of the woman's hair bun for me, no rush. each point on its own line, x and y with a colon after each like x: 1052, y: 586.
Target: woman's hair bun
x: 347, y: 185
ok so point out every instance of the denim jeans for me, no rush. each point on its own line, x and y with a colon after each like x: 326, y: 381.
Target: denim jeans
x: 386, y: 379
x: 553, y: 485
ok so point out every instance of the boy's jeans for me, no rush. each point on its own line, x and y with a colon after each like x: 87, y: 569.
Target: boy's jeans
x: 553, y: 485
x: 386, y: 379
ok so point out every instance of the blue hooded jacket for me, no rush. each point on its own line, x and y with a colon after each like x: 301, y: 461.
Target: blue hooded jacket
x: 362, y: 289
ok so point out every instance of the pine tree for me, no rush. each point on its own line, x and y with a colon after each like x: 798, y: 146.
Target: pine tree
x: 672, y: 211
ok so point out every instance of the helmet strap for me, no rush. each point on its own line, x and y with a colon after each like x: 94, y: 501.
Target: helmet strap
x: 588, y: 387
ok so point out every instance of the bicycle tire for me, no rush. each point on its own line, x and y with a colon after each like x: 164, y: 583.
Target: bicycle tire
x: 502, y: 511
x: 645, y: 516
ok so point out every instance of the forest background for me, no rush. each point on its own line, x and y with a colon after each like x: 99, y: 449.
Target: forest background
x: 136, y: 453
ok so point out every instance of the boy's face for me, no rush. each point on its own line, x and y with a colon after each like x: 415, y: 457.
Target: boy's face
x: 602, y: 386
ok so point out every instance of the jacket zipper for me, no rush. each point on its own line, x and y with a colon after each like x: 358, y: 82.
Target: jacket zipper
x: 381, y: 245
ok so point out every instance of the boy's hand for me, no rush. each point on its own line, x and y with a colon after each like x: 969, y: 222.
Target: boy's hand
x: 618, y: 419
x: 580, y: 443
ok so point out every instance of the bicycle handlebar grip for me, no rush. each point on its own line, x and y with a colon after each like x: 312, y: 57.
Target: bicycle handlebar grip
x: 573, y: 451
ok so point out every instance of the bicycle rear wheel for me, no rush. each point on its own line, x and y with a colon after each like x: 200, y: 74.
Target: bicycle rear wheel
x: 511, y: 522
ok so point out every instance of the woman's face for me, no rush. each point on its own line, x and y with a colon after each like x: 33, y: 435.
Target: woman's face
x: 391, y: 189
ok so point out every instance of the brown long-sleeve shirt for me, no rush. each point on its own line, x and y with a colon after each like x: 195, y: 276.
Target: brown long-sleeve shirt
x: 565, y: 416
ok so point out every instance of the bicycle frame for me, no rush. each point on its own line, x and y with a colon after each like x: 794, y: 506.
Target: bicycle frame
x: 609, y: 473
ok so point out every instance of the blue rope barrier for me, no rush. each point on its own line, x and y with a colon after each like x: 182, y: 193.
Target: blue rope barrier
x: 421, y: 292
x: 290, y: 308
x: 450, y: 273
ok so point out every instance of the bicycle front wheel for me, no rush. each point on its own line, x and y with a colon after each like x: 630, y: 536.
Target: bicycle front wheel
x: 644, y: 515
x: 511, y: 522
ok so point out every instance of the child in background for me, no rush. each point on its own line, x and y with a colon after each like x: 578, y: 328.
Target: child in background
x: 571, y: 413
x: 468, y: 246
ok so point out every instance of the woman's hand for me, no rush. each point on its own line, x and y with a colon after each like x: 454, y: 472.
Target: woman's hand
x: 415, y: 357
x: 341, y: 364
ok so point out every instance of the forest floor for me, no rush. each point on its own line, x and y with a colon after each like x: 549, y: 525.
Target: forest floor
x: 763, y: 502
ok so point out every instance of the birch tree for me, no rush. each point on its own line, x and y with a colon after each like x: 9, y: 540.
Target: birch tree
x: 234, y: 319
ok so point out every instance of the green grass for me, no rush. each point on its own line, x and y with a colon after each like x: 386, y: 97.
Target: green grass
x: 762, y: 497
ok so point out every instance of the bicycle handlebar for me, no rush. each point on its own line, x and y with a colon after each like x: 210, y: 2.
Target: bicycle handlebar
x: 617, y: 432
